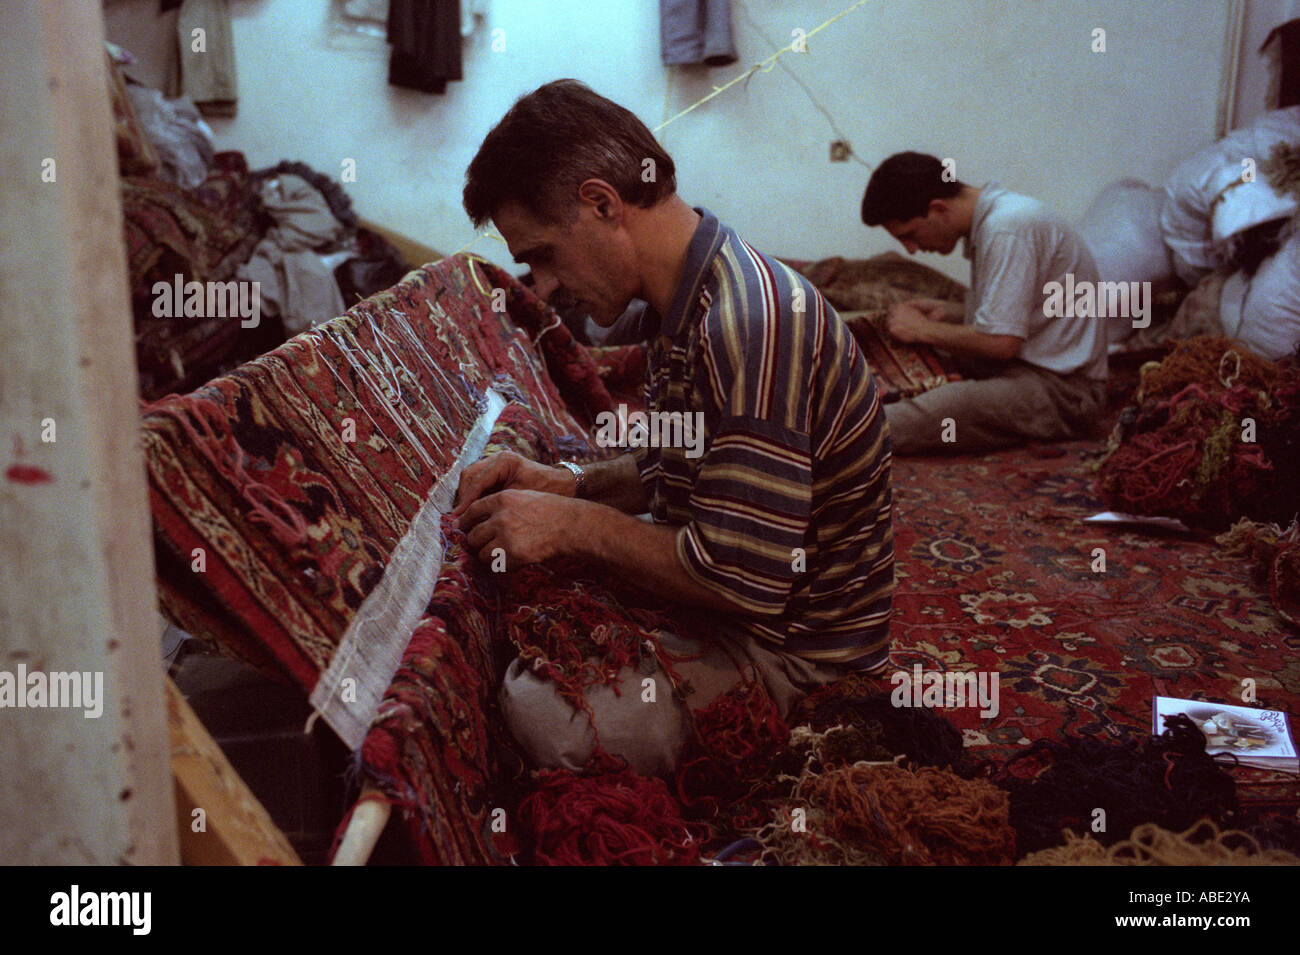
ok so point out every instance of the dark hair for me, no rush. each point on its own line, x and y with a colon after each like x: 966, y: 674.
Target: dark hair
x: 554, y: 139
x: 903, y: 186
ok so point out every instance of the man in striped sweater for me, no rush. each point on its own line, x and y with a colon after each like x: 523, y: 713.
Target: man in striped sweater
x: 773, y: 510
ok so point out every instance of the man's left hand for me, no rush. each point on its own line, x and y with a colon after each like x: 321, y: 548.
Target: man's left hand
x: 529, y: 526
x: 907, y: 323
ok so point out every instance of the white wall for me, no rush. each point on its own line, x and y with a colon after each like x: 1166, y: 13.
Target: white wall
x: 1011, y: 90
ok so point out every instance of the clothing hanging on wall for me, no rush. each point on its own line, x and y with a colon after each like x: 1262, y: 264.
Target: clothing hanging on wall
x: 425, y: 35
x: 696, y: 31
x: 208, y: 73
x: 1287, y: 36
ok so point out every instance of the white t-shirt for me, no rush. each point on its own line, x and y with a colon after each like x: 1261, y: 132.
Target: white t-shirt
x: 1016, y: 247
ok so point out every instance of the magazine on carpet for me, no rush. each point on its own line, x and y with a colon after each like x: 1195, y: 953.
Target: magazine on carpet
x: 1259, y: 738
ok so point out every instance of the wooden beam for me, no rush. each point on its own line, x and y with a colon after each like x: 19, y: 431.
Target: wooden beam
x: 76, y: 589
x: 220, y: 821
x: 415, y: 252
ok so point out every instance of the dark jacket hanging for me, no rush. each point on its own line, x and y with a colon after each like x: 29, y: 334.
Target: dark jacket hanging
x: 425, y: 35
x: 1288, y: 58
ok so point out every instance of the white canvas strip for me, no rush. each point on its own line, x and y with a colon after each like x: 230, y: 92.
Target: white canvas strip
x: 372, y: 647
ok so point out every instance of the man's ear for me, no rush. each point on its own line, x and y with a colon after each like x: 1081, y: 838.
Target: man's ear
x: 940, y: 209
x: 602, y: 198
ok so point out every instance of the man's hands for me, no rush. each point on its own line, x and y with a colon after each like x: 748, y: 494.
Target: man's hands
x: 938, y: 309
x: 907, y: 323
x: 528, y: 515
x: 933, y: 322
x: 508, y: 470
x: 529, y: 526
x: 912, y: 321
x: 528, y: 510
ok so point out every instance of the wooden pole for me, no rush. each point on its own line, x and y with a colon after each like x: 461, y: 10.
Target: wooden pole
x: 76, y: 558
x: 369, y: 817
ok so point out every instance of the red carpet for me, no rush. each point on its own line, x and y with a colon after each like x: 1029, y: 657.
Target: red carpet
x: 995, y: 573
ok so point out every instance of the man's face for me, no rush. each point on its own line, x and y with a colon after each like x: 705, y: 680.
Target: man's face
x: 589, y: 263
x: 931, y: 232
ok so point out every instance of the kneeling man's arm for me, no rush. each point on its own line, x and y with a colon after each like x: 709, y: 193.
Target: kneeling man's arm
x: 908, y: 324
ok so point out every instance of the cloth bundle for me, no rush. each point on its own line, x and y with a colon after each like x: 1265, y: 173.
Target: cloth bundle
x: 296, y: 283
x: 178, y: 132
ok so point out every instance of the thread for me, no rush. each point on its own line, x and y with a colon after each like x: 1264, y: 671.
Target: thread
x: 1167, y: 779
x: 862, y: 813
x: 615, y: 819
x: 1201, y: 844
x: 1213, y: 435
x: 764, y: 66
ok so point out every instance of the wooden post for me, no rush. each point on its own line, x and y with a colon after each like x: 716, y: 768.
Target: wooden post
x: 76, y: 558
x: 221, y: 821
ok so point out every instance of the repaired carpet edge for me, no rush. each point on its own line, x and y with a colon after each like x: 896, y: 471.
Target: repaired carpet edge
x: 372, y: 647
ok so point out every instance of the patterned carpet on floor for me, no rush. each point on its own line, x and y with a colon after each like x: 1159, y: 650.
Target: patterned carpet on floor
x: 998, y: 572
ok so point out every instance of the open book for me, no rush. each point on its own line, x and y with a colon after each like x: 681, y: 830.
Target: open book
x: 1259, y: 738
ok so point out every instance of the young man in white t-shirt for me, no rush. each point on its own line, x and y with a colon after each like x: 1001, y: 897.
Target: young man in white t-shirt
x: 1030, y: 376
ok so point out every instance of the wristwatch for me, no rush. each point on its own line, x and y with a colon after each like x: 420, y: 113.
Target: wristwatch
x: 578, y: 474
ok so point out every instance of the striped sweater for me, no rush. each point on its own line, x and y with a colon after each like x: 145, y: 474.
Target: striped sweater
x: 786, y: 512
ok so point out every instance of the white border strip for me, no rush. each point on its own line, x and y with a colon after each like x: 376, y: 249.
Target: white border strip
x: 372, y: 647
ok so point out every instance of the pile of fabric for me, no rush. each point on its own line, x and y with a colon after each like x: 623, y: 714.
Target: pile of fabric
x: 195, y: 216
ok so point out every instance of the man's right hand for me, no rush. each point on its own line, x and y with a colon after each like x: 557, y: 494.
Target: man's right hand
x: 937, y: 309
x: 506, y: 470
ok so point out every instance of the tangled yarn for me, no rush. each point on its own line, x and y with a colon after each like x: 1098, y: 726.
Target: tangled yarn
x: 614, y: 819
x: 1185, y: 449
x: 1276, y: 553
x: 579, y: 633
x: 891, y: 815
x: 922, y: 735
x: 735, y: 741
x: 1167, y: 779
x: 791, y: 840
x: 1212, y: 362
x: 1202, y: 844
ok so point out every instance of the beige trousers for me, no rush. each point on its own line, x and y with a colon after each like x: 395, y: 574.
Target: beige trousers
x: 649, y: 735
x: 1020, y: 402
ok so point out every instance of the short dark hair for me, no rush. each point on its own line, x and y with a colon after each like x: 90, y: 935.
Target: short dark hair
x: 554, y: 139
x: 903, y: 186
